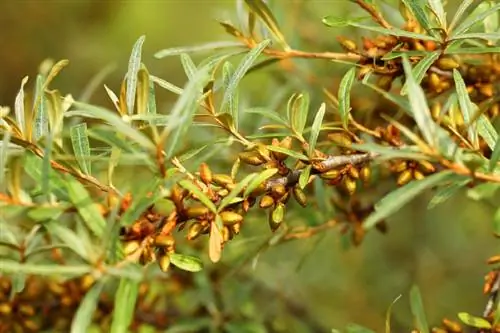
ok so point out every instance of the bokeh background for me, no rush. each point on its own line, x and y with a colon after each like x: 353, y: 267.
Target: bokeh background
x: 442, y: 250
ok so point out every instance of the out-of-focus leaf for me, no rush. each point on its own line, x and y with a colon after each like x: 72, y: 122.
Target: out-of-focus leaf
x: 83, y: 316
x: 69, y: 237
x: 81, y: 146
x: 344, y: 95
x: 188, y: 65
x: 496, y: 222
x: 396, y: 199
x: 44, y: 213
x: 355, y: 328
x: 467, y: 107
x: 473, y: 321
x: 495, y: 156
x: 207, y: 47
x: 134, y: 64
x: 125, y: 300
x: 11, y: 266
x: 462, y: 8
x: 417, y: 309
x: 88, y: 210
x: 241, y: 70
x: 316, y: 128
x: 271, y: 114
x: 419, y: 107
x: 260, y: 9
x: 483, y: 191
x: 232, y: 106
x: 259, y: 179
x: 487, y: 36
x: 185, y: 262
x: 422, y: 67
x: 19, y: 108
x: 90, y: 111
x: 472, y: 50
x: 447, y: 192
x: 144, y: 197
x: 188, y: 185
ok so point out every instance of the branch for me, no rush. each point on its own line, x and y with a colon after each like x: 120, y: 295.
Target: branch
x: 374, y: 13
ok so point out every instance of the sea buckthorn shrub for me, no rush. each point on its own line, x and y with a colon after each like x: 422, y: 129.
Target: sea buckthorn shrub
x: 84, y: 249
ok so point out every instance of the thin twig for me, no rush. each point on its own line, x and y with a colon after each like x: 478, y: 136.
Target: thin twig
x: 374, y: 13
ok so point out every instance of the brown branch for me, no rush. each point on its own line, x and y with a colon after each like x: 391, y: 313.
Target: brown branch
x: 309, y: 232
x: 330, y: 163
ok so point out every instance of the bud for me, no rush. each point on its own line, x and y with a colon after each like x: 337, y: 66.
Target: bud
x: 164, y: 240
x: 5, y: 309
x: 447, y: 64
x: 353, y: 172
x: 194, y: 231
x: 31, y: 325
x: 436, y: 110
x: 87, y: 281
x: 205, y: 173
x: 276, y: 216
x: 384, y: 82
x: 25, y: 309
x: 196, y: 211
x: 358, y: 234
x: 222, y: 179
x: 229, y: 217
x: 285, y: 143
x: 226, y: 234
x: 236, y: 228
x: 347, y: 44
x: 487, y: 89
x: 401, y: 166
x: 493, y: 260
x: 434, y: 81
x: 426, y: 166
x: 404, y: 177
x: 340, y: 139
x: 131, y: 247
x: 251, y: 158
x: 330, y: 174
x: 300, y: 196
x: 349, y: 185
x: 365, y: 174
x: 452, y: 326
x: 266, y: 201
x: 279, y: 189
x: 164, y: 263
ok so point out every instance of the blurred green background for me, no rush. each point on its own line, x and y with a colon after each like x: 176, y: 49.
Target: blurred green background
x: 443, y: 250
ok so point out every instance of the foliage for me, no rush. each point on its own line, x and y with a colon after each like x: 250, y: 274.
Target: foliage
x: 103, y: 252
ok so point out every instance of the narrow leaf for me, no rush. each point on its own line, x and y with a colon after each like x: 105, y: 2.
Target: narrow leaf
x: 4, y: 150
x: 235, y: 191
x: 304, y: 176
x: 473, y: 321
x: 467, y: 107
x: 417, y: 8
x: 438, y: 10
x: 87, y: 209
x: 487, y: 131
x: 258, y: 180
x: 215, y: 242
x: 393, y: 201
x: 260, y: 9
x: 19, y: 108
x: 467, y: 24
x: 233, y: 100
x: 207, y: 47
x: 81, y: 146
x: 240, y: 71
x: 143, y: 90
x: 151, y: 98
x: 495, y: 156
x: 316, y: 128
x: 421, y: 68
x: 344, y: 96
x: 41, y: 119
x: 417, y: 309
x: 166, y: 85
x: 420, y: 109
x: 188, y: 65
x: 299, y: 112
x: 68, y: 237
x: 134, y: 64
x: 125, y: 300
x: 11, y: 266
x: 188, y: 185
x: 83, y: 316
x: 289, y: 152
